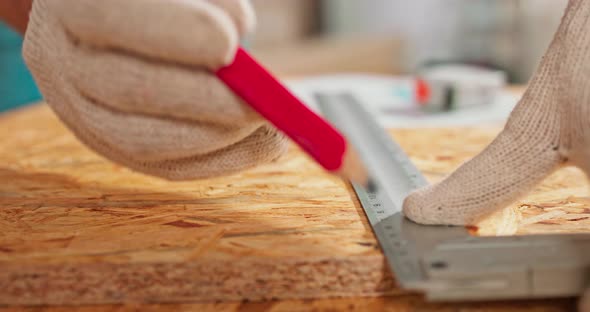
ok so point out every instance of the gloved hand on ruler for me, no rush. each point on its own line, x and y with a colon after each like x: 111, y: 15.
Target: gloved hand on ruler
x: 549, y: 128
x: 132, y: 79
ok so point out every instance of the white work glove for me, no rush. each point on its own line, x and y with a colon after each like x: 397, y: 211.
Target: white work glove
x: 133, y: 80
x: 549, y: 128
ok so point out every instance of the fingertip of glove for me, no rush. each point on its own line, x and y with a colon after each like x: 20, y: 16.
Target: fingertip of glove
x: 427, y: 206
x: 227, y: 43
x: 413, y: 207
x: 187, y: 32
x: 249, y: 20
x: 241, y: 12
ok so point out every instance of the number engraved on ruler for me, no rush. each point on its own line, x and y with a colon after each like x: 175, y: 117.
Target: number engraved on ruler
x: 392, y: 170
x: 377, y: 205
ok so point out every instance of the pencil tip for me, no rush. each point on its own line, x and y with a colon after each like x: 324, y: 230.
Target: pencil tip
x: 353, y: 168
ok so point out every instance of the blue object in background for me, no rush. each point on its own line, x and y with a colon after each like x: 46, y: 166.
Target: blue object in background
x: 17, y: 87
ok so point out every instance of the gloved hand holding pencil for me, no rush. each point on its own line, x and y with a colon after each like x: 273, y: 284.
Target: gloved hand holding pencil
x: 144, y: 95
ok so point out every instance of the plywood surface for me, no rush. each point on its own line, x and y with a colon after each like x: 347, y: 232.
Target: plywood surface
x: 400, y: 303
x: 79, y: 229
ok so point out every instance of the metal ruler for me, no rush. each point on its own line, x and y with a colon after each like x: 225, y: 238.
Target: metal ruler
x: 447, y: 263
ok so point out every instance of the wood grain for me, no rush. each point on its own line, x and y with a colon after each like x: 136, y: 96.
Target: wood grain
x: 405, y: 303
x: 77, y: 229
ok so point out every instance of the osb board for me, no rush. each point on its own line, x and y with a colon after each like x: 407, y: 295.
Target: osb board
x: 79, y: 229
x: 404, y: 303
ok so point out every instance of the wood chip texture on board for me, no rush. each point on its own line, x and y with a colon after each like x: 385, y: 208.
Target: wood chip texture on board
x: 78, y: 229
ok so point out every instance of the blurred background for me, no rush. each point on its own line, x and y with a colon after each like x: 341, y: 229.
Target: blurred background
x: 302, y: 37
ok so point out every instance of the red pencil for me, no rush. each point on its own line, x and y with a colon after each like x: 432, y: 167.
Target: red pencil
x: 263, y: 92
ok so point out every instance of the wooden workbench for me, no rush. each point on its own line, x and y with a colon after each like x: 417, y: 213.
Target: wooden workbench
x: 77, y: 229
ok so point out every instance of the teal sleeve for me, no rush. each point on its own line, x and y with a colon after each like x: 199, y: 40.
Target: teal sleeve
x: 17, y: 87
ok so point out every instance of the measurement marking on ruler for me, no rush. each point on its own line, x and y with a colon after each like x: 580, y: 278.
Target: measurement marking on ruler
x: 393, y: 173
